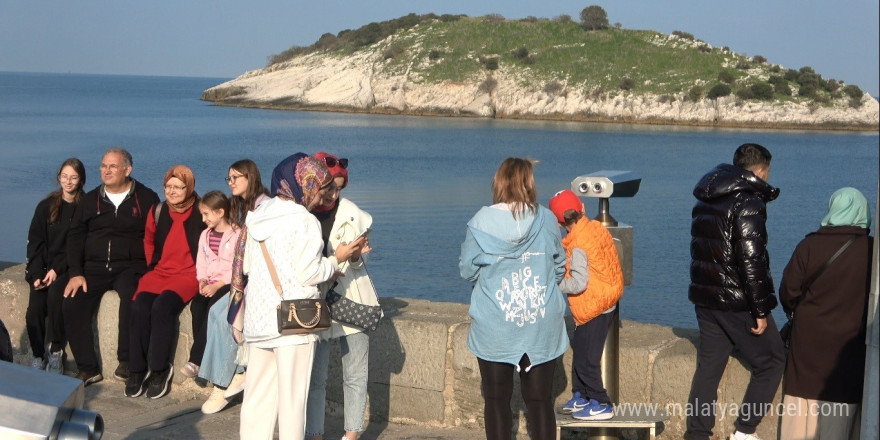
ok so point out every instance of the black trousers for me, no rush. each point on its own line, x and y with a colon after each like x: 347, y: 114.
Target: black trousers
x: 153, y: 330
x: 536, y: 386
x: 43, y: 304
x: 199, y: 309
x: 720, y: 333
x: 79, y: 313
x: 588, y: 343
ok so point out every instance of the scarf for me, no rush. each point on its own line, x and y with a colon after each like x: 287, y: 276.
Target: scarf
x: 186, y: 176
x: 299, y: 178
x: 848, y: 207
x: 337, y: 170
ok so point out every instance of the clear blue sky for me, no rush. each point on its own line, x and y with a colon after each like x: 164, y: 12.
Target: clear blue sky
x: 224, y: 38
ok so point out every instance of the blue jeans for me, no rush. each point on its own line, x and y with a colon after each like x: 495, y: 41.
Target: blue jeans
x: 355, y: 359
x: 218, y: 362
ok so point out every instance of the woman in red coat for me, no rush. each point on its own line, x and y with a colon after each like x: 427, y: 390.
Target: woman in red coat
x: 171, y: 242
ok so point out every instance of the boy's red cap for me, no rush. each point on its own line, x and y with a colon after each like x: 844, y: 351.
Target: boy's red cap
x: 563, y: 201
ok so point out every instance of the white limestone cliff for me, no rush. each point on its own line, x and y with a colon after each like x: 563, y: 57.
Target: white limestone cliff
x: 359, y: 82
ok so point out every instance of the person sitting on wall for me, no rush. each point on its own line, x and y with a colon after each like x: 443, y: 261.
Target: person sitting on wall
x: 171, y: 244
x: 105, y: 251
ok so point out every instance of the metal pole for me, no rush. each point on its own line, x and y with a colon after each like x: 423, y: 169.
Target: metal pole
x: 623, y: 240
x: 610, y: 373
x: 870, y: 429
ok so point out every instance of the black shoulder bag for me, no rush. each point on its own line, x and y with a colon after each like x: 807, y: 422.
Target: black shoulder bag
x: 297, y: 316
x: 785, y: 331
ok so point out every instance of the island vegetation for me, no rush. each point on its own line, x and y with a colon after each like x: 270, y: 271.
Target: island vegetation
x: 557, y: 57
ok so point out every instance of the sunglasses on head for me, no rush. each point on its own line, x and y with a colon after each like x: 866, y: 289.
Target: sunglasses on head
x: 332, y: 161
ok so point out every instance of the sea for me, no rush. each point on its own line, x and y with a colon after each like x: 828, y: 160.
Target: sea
x: 421, y: 178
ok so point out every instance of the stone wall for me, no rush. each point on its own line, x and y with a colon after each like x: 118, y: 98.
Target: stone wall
x: 422, y: 372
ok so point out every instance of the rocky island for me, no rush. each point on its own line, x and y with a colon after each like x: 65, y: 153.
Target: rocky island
x: 545, y: 69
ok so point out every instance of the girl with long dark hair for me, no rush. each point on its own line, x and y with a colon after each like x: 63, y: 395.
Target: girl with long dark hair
x: 46, y: 269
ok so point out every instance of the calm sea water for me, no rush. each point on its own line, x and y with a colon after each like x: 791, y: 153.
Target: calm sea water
x: 421, y: 178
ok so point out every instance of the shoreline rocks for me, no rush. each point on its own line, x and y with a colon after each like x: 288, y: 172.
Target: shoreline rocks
x: 359, y: 84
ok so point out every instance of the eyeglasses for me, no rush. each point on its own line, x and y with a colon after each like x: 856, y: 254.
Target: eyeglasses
x: 234, y: 177
x: 169, y: 188
x: 73, y: 178
x: 112, y: 167
x: 331, y: 162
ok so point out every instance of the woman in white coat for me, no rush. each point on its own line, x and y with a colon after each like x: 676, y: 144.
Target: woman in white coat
x: 276, y: 387
x: 341, y: 222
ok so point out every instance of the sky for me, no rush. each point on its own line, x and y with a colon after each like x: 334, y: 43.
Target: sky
x: 225, y: 38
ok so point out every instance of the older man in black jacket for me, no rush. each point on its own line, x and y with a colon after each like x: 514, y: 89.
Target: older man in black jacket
x: 732, y: 290
x: 105, y: 251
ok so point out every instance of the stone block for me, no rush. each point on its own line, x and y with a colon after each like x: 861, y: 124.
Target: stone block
x: 466, y: 381
x: 14, y: 294
x: 412, y: 352
x: 670, y: 377
x: 107, y: 337
x: 391, y: 401
x: 640, y: 344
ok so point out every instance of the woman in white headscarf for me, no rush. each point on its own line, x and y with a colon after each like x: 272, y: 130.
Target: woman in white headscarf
x: 826, y: 366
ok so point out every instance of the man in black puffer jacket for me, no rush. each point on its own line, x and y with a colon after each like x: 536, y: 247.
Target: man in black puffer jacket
x: 732, y: 290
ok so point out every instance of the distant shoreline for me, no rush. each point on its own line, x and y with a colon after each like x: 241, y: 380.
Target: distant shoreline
x: 549, y: 117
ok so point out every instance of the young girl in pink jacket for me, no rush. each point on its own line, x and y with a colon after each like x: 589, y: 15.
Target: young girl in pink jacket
x: 213, y: 270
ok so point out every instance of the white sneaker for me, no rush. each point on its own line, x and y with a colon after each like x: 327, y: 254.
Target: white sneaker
x: 38, y: 363
x: 216, y: 402
x: 743, y: 436
x: 236, y: 386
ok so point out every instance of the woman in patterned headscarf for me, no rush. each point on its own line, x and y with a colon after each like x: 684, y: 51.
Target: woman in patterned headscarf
x: 279, y: 366
x: 825, y: 371
x: 171, y: 241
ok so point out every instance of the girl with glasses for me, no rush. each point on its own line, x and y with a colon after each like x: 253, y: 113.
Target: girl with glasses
x: 46, y: 268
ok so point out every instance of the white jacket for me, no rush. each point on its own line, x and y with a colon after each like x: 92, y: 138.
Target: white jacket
x: 355, y: 285
x: 293, y: 239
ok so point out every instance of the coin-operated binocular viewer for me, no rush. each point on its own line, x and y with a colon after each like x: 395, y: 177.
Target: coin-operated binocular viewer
x: 604, y: 185
x: 37, y: 405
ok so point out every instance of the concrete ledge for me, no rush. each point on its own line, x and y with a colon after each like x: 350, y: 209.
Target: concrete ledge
x: 422, y: 373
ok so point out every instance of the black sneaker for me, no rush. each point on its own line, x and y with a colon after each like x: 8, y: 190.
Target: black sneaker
x: 88, y: 377
x: 122, y: 371
x: 135, y: 384
x: 160, y: 382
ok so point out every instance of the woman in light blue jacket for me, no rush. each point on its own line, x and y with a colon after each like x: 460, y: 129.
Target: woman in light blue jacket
x: 513, y: 255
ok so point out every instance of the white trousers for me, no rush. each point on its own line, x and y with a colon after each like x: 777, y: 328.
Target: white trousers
x: 276, y: 389
x: 807, y: 419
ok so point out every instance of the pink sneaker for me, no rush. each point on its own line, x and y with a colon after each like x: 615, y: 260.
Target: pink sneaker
x: 189, y: 370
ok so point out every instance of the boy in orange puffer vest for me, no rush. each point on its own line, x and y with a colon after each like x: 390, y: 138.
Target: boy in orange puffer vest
x: 594, y: 284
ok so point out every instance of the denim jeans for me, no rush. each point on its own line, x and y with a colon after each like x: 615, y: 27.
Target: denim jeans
x: 355, y: 350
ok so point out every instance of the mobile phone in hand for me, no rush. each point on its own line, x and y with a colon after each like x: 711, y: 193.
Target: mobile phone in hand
x: 363, y: 234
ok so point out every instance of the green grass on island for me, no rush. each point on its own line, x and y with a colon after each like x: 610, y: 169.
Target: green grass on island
x: 560, y: 54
